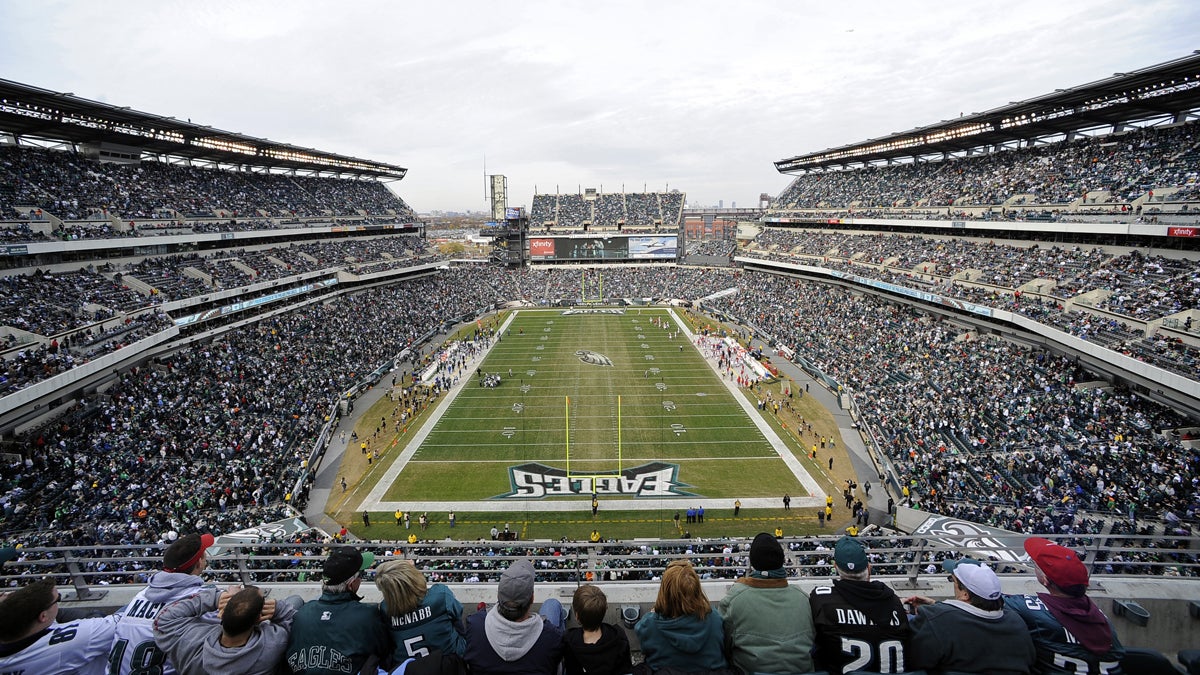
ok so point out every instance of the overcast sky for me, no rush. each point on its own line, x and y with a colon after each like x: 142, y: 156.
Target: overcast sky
x: 699, y: 96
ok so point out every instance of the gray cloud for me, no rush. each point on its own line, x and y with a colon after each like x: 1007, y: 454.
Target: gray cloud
x: 700, y: 95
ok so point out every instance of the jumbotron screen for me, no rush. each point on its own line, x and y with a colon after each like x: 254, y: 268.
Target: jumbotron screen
x: 630, y: 247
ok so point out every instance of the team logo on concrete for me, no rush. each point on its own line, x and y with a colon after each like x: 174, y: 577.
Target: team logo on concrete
x: 535, y: 481
x: 990, y: 542
x: 593, y: 358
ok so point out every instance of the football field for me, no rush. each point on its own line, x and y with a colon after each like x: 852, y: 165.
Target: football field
x: 619, y: 403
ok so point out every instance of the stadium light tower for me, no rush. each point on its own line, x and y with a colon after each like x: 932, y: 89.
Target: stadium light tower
x: 498, y: 193
x: 508, y: 224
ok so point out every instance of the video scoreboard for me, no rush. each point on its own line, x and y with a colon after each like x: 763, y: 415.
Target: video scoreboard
x: 626, y: 247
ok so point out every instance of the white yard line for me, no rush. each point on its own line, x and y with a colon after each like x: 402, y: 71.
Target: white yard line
x: 776, y: 442
x: 375, y: 502
x: 375, y: 498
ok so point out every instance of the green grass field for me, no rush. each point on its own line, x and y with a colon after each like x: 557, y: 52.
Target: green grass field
x: 674, y: 412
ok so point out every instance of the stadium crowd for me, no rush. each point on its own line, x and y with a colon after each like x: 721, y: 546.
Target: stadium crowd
x: 180, y: 439
x: 956, y: 439
x: 1115, y: 169
x: 569, y: 213
x: 60, y: 320
x: 969, y: 420
x: 35, y: 183
x: 1036, y: 281
x: 711, y: 248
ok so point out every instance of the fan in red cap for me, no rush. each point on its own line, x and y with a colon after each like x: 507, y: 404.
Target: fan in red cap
x: 183, y: 563
x: 1060, y: 564
x: 1065, y: 624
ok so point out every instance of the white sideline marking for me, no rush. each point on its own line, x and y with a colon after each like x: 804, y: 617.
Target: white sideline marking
x: 374, y: 500
x: 776, y: 442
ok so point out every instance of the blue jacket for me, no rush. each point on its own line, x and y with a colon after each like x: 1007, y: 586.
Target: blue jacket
x: 684, y: 642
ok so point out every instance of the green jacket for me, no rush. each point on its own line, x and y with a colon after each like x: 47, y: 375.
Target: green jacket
x: 335, y: 634
x: 768, y: 627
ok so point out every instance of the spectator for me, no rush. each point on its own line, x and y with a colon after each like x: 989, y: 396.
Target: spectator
x: 32, y: 641
x: 971, y: 633
x: 420, y: 617
x: 768, y: 622
x: 1070, y: 632
x: 337, y: 633
x: 860, y: 624
x: 510, y: 639
x: 251, y: 638
x: 682, y: 631
x: 135, y: 647
x: 8, y: 553
x: 595, y: 647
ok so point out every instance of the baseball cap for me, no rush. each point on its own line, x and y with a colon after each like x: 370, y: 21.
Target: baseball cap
x: 849, y: 554
x: 975, y: 577
x: 344, y: 562
x: 765, y: 553
x: 1060, y: 564
x: 183, y: 555
x: 516, y: 583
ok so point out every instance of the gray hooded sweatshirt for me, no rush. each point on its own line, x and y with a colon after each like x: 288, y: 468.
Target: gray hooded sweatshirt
x: 497, y: 646
x: 512, y: 639
x: 194, y: 646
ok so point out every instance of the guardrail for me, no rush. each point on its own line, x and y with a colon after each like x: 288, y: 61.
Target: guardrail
x: 93, y: 570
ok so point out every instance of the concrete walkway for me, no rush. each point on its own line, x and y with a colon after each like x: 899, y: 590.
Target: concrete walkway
x: 860, y: 457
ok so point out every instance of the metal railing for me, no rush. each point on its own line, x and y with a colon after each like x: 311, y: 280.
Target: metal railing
x: 91, y: 570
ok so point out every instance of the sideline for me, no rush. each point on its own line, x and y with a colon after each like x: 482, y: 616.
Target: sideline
x: 374, y: 500
x: 817, y: 495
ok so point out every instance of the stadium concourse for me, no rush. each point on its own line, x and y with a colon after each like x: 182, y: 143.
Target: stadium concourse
x: 374, y: 501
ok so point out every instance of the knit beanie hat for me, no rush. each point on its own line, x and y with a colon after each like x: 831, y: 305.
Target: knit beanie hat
x: 765, y: 553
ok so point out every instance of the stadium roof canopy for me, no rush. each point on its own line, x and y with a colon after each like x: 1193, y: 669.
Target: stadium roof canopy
x: 34, y: 112
x: 1167, y: 91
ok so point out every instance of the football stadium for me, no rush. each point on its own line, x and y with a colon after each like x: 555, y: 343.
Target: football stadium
x: 950, y: 341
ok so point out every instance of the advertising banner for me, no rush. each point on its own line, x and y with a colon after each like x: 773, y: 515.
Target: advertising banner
x: 541, y: 249
x: 653, y: 246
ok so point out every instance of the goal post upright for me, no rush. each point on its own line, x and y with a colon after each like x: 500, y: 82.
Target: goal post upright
x: 593, y: 476
x: 619, y: 467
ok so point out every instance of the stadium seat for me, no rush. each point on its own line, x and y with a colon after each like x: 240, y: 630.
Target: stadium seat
x: 1147, y: 662
x: 630, y: 615
x: 1190, y: 660
x: 1131, y: 611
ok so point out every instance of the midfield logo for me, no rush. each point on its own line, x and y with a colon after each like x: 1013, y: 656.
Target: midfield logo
x: 594, y: 358
x: 534, y: 481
